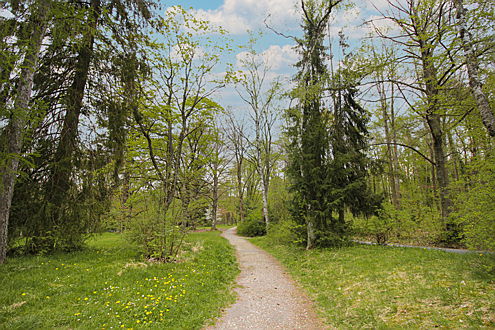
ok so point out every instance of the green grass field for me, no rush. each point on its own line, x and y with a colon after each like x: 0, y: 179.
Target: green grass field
x: 108, y: 286
x: 383, y: 287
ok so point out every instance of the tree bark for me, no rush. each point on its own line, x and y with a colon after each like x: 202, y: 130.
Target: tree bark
x: 311, y: 242
x: 472, y: 67
x: 433, y: 120
x: 214, y: 205
x: 388, y: 139
x: 18, y: 119
x: 264, y: 196
x: 395, y: 157
x: 441, y: 172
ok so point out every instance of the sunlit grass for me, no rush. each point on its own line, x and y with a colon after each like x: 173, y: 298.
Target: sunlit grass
x: 384, y: 287
x: 108, y: 286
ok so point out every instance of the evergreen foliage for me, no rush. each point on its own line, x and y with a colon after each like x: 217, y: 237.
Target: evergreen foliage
x: 327, y: 162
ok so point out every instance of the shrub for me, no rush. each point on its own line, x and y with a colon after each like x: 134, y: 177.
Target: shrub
x: 475, y: 207
x: 251, y: 228
x: 284, y: 232
x: 158, y: 234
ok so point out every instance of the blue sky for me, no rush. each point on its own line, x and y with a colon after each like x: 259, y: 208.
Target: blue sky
x: 239, y: 16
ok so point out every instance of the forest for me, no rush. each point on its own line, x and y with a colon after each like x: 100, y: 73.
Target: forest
x: 110, y: 121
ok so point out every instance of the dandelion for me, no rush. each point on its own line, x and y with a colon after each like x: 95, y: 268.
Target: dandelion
x: 23, y: 294
x: 86, y: 298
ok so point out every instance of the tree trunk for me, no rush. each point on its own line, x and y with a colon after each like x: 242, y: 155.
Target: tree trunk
x: 472, y: 66
x: 395, y: 157
x: 240, y: 190
x: 441, y: 172
x: 388, y: 139
x: 59, y: 183
x: 310, y: 244
x: 214, y: 206
x: 433, y: 120
x: 18, y: 119
x: 264, y: 196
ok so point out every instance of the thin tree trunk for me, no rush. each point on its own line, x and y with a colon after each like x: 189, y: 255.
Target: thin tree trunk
x: 215, y: 199
x: 264, y: 196
x: 240, y: 190
x: 472, y: 66
x: 455, y: 156
x: 395, y: 157
x: 311, y: 242
x: 214, y: 210
x: 388, y: 139
x: 18, y: 120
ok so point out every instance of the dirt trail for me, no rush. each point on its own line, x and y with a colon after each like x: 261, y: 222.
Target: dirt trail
x: 267, y: 296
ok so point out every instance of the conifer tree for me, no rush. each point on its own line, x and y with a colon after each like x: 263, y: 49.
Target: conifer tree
x: 327, y: 161
x: 308, y: 138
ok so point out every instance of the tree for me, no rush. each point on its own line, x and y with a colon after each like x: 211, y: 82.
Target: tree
x: 64, y: 169
x: 308, y: 138
x: 217, y: 164
x: 349, y: 166
x: 172, y: 120
x: 482, y: 102
x: 12, y: 136
x: 237, y: 142
x: 427, y: 36
x: 64, y: 158
x: 261, y: 100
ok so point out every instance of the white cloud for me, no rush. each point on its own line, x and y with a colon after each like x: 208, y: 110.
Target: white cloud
x: 279, y: 57
x: 275, y: 57
x: 239, y: 16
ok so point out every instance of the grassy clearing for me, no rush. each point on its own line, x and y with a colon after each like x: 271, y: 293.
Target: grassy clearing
x: 108, y: 286
x: 383, y: 287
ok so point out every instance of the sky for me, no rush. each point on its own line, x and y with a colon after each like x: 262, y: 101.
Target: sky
x: 240, y: 16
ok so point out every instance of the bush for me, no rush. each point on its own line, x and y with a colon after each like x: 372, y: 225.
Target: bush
x: 412, y: 223
x: 475, y: 207
x: 158, y: 234
x: 285, y: 232
x: 251, y: 228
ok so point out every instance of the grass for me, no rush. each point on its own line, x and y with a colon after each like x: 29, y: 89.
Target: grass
x: 108, y: 286
x: 384, y: 287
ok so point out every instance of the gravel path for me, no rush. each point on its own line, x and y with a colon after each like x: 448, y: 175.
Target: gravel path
x: 267, y: 297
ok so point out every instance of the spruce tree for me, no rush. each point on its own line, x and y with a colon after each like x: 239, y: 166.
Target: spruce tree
x: 308, y: 138
x: 327, y: 161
